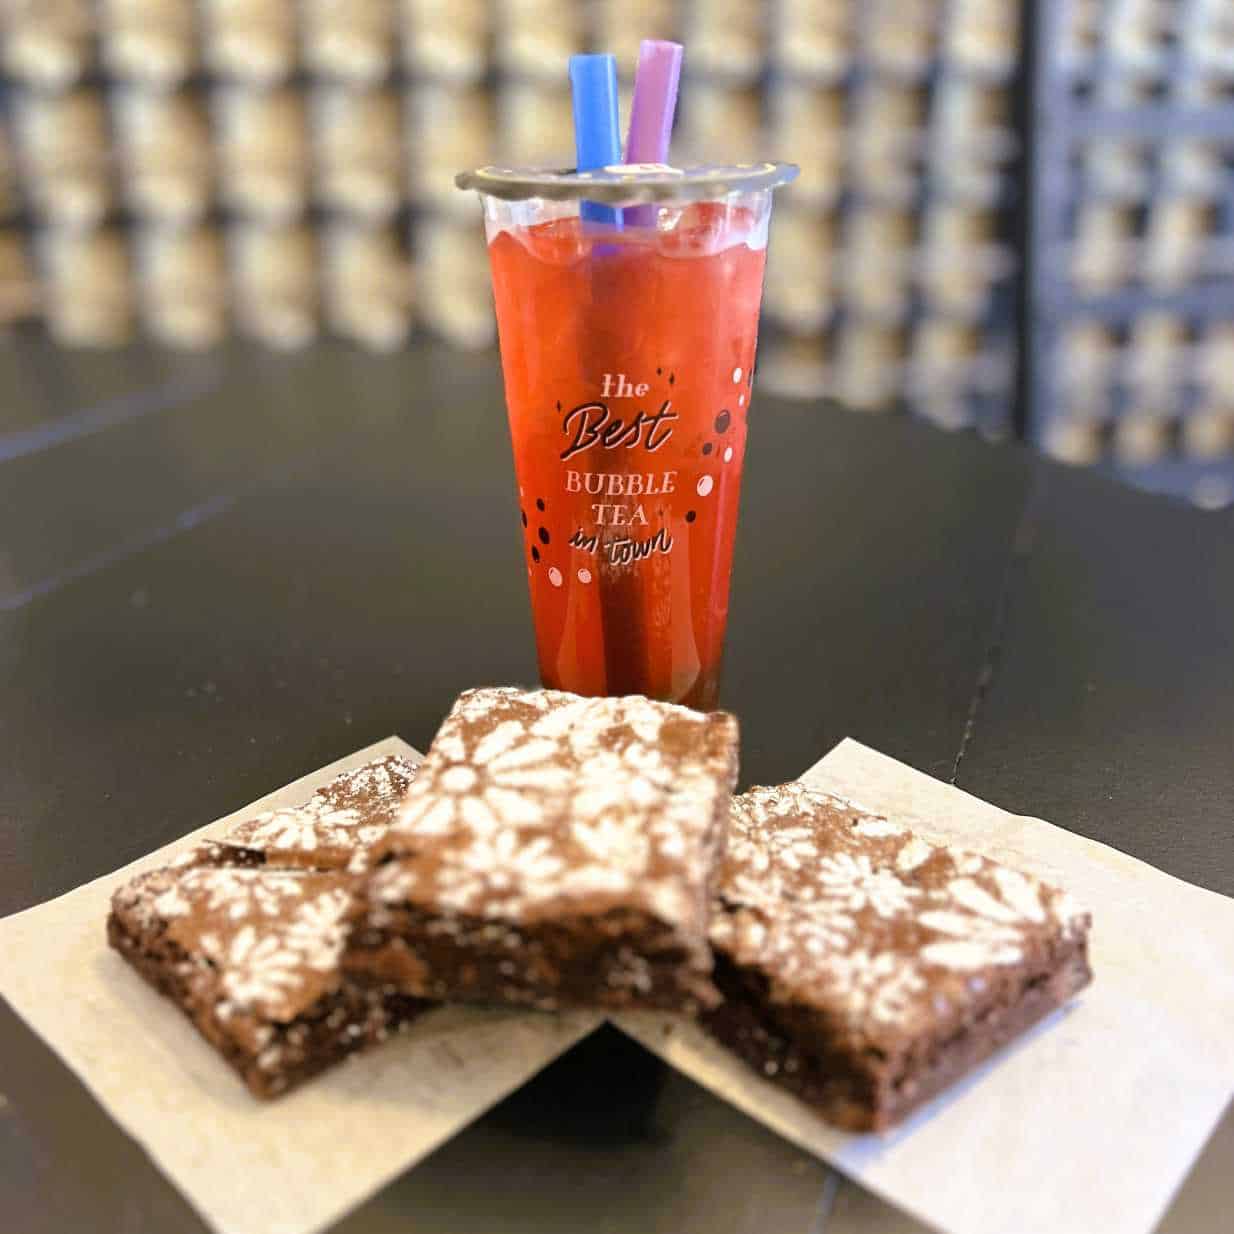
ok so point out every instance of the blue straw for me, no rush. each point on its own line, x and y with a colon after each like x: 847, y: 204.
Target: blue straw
x: 597, y: 134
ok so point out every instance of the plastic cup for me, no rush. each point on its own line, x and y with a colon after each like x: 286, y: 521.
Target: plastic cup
x: 628, y: 354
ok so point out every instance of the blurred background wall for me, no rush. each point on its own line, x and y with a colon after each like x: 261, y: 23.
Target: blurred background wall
x: 1016, y: 217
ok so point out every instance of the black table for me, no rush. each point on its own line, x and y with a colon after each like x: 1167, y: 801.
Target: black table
x: 218, y: 572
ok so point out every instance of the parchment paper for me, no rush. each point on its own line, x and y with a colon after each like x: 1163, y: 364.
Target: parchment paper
x: 1085, y: 1127
x: 290, y: 1166
x: 1089, y: 1124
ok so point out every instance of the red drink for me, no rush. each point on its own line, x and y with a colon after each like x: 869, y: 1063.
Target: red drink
x: 627, y: 358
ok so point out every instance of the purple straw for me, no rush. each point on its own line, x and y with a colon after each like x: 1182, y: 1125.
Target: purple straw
x: 651, y: 112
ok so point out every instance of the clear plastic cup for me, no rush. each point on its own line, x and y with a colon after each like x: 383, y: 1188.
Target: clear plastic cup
x: 627, y: 310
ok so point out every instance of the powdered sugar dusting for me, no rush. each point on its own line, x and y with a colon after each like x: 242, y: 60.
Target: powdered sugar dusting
x: 349, y: 814
x: 249, y: 931
x: 539, y: 797
x: 272, y: 939
x: 853, y: 912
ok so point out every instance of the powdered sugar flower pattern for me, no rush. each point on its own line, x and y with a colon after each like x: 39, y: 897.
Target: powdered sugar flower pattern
x: 351, y: 813
x: 272, y: 937
x: 854, y: 883
x: 546, y: 796
x: 500, y: 864
x: 829, y: 896
x: 876, y: 984
x: 298, y: 828
x: 236, y: 892
x: 260, y: 972
x: 983, y: 929
x: 266, y: 968
x: 499, y: 783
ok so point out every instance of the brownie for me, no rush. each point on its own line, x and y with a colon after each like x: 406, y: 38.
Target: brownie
x: 865, y: 969
x: 330, y: 831
x: 245, y: 934
x: 554, y: 851
x: 252, y: 958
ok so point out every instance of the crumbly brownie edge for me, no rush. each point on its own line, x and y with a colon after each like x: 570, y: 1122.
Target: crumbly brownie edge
x: 824, y: 1071
x: 219, y: 853
x: 368, y: 1016
x: 621, y: 959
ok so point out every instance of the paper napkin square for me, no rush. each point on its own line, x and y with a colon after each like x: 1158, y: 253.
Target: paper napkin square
x: 1089, y: 1123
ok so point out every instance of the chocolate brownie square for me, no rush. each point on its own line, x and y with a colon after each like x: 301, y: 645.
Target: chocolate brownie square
x: 245, y: 934
x: 554, y: 850
x: 330, y: 831
x: 251, y: 956
x: 865, y: 969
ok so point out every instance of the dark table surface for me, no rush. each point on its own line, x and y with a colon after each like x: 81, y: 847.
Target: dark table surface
x: 218, y: 572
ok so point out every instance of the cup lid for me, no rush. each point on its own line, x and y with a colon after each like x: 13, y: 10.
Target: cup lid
x: 625, y: 184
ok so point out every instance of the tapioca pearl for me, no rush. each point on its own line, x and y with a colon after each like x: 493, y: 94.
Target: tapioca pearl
x: 584, y: 575
x: 543, y: 534
x: 672, y: 379
x: 554, y: 576
x: 540, y: 504
x: 723, y: 420
x: 728, y: 454
x: 707, y: 447
x: 736, y: 375
x: 705, y: 485
x: 690, y: 516
x: 524, y: 514
x: 535, y: 553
